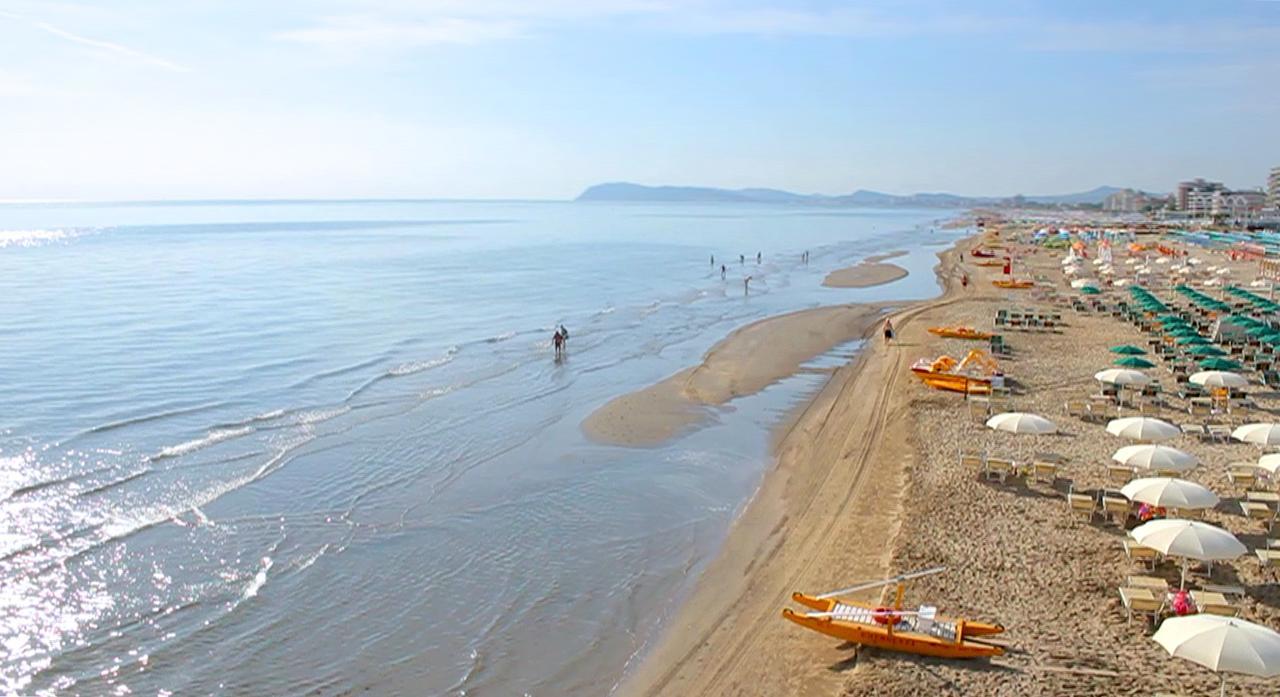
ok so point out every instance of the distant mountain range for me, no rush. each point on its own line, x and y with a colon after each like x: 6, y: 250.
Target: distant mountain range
x: 625, y: 191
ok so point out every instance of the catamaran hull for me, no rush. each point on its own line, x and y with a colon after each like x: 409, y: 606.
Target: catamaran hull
x: 879, y: 636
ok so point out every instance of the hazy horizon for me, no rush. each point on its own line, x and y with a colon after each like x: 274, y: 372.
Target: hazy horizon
x: 493, y: 99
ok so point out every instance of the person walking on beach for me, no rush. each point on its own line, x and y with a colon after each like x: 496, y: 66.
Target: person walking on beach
x: 746, y: 285
x: 888, y: 331
x: 964, y: 280
x: 713, y: 261
x: 723, y: 271
x: 758, y: 257
x: 742, y: 258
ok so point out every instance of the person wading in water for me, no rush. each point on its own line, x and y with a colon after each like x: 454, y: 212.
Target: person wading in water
x: 557, y: 340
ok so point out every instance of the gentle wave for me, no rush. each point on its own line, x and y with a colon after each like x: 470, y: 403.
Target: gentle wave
x: 418, y: 366
x: 259, y: 580
x: 38, y: 238
x: 154, y: 416
x: 212, y: 438
x: 108, y: 486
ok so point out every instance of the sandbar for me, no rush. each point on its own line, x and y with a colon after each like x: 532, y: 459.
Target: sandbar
x: 743, y: 363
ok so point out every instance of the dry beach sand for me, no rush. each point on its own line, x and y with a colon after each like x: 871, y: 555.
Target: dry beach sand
x: 868, y: 483
x: 872, y: 271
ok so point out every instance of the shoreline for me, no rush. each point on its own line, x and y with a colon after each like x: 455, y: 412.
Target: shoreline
x: 824, y: 480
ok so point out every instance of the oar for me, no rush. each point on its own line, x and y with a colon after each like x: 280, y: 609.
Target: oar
x: 885, y: 582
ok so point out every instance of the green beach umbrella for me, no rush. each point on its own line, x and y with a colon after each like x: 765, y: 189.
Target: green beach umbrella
x: 1182, y: 332
x: 1128, y: 350
x: 1090, y: 290
x: 1219, y: 364
x: 1206, y: 350
x: 1196, y: 340
x: 1135, y: 362
x: 1259, y: 330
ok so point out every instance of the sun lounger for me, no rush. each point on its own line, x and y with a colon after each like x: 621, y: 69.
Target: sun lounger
x: 1267, y: 557
x: 1046, y: 472
x: 1194, y: 430
x: 1258, y: 511
x: 1141, y: 602
x: 1077, y: 408
x: 1242, y: 477
x: 1117, y: 507
x: 1155, y: 584
x: 1220, y: 433
x: 1141, y: 555
x: 1214, y: 603
x: 1082, y: 504
x: 1268, y: 498
x: 998, y: 468
x: 1119, y: 475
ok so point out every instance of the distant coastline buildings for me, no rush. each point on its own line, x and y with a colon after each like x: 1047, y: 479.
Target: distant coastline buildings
x: 1273, y: 189
x: 1132, y: 201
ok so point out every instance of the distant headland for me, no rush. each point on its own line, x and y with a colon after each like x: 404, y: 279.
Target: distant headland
x: 626, y: 191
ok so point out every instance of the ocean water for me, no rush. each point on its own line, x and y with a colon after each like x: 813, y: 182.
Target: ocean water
x: 324, y: 447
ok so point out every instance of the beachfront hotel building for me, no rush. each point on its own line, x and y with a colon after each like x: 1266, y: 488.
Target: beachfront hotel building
x: 1237, y: 205
x: 1273, y: 189
x: 1195, y: 197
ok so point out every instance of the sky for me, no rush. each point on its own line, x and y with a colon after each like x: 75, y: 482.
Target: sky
x: 137, y: 99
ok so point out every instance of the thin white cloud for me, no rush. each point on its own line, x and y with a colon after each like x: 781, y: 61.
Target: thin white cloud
x: 373, y: 32
x: 98, y: 45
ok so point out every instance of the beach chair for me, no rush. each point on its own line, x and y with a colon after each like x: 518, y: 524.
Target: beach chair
x: 1220, y: 433
x: 1195, y: 430
x: 1241, y: 476
x: 1119, y: 475
x: 1139, y: 554
x: 1143, y: 603
x: 1082, y: 504
x: 1046, y: 472
x: 998, y: 468
x: 1077, y: 408
x: 1117, y: 507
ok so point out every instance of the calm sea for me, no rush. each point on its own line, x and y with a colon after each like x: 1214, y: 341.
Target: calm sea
x: 323, y: 447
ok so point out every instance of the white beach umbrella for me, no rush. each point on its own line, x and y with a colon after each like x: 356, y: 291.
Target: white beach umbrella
x: 1224, y: 271
x: 1270, y: 463
x: 1106, y: 270
x: 1259, y: 434
x: 1169, y: 493
x: 1162, y: 260
x: 1123, y: 282
x: 1143, y: 271
x: 1218, y: 378
x: 1071, y: 270
x: 1131, y: 261
x: 1195, y: 261
x: 1260, y: 283
x: 1122, y: 377
x: 1143, y: 428
x: 1155, y: 457
x: 1213, y: 283
x: 1083, y: 283
x: 1222, y: 644
x: 1099, y: 261
x: 1021, y: 422
x: 1188, y: 539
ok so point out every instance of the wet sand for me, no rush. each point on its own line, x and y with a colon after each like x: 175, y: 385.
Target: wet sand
x: 872, y: 271
x: 748, y: 360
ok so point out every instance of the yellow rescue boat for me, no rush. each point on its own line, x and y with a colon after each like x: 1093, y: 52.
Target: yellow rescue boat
x: 922, y: 631
x: 946, y: 373
x: 1012, y: 284
x: 960, y: 333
